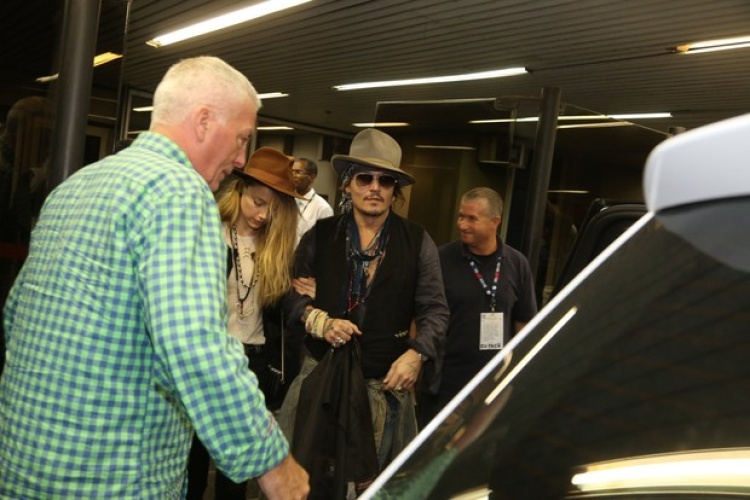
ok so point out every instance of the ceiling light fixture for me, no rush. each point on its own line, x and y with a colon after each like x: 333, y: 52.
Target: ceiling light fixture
x: 271, y: 128
x: 483, y: 75
x: 630, y: 116
x: 99, y: 59
x: 233, y: 18
x: 596, y: 125
x: 380, y: 124
x: 568, y: 191
x: 272, y: 95
x: 714, y: 45
x: 639, y: 116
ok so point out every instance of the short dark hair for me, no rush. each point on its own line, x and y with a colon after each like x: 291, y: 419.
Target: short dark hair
x: 493, y: 198
x: 310, y: 166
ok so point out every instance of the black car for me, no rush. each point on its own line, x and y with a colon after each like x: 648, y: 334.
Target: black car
x: 634, y: 381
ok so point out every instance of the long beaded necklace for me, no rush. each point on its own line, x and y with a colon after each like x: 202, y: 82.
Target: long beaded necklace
x: 243, y: 316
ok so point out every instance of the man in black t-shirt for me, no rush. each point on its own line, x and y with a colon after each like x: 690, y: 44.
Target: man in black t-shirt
x: 489, y: 288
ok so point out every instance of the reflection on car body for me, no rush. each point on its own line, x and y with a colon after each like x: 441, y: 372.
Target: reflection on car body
x: 634, y: 382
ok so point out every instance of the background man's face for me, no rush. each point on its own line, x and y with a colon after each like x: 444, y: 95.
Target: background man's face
x: 302, y: 180
x: 475, y: 224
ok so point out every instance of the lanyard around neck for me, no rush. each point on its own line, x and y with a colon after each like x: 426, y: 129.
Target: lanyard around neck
x: 303, y: 205
x: 491, y: 292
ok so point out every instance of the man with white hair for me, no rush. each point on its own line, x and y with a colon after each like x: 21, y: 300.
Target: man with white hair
x: 116, y: 325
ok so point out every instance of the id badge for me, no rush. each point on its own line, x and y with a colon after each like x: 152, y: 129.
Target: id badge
x: 491, y: 331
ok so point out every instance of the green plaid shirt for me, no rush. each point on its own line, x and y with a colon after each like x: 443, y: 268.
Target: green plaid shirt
x: 117, y: 341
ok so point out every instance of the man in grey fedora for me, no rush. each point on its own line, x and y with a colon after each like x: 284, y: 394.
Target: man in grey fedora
x: 375, y: 273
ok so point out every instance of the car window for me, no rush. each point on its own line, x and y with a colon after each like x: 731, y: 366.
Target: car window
x: 647, y: 357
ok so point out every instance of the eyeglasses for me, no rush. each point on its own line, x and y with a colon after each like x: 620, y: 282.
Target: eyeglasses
x: 299, y: 172
x: 385, y: 181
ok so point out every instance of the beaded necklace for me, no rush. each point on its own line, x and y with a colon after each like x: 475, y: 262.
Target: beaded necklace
x: 241, y: 313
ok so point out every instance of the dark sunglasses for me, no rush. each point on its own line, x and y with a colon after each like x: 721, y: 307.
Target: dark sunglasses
x: 364, y: 180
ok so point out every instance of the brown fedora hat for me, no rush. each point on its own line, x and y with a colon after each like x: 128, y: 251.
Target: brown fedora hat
x: 375, y: 149
x: 272, y: 168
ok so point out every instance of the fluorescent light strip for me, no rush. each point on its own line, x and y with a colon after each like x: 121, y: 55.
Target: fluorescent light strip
x: 714, y: 45
x: 99, y: 59
x: 224, y: 21
x: 273, y: 95
x: 380, y: 124
x: 436, y: 79
x: 717, y: 49
x: 568, y: 191
x: 640, y: 116
x: 274, y: 127
x: 597, y: 125
x: 629, y: 116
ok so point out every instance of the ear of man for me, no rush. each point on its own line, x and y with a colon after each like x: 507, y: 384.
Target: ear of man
x: 202, y: 122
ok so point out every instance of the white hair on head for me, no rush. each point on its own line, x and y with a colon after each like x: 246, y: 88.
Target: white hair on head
x: 203, y: 80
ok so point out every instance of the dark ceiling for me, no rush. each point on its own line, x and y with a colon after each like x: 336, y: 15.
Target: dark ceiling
x: 607, y: 56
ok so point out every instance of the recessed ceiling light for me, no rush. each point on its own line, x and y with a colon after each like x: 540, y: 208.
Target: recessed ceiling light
x: 435, y: 79
x: 233, y: 18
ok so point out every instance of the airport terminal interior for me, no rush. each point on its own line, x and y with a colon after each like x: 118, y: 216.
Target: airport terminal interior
x: 555, y: 104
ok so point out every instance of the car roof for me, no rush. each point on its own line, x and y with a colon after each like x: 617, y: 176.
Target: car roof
x: 708, y: 163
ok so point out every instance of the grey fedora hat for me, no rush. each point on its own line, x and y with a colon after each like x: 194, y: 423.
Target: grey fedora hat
x: 375, y: 149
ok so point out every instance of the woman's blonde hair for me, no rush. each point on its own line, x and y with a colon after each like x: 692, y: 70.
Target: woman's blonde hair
x: 274, y: 245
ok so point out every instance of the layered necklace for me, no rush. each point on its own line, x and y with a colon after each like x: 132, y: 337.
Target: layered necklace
x: 243, y: 313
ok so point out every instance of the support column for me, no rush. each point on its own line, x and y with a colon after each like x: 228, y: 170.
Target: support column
x: 544, y: 148
x: 78, y: 40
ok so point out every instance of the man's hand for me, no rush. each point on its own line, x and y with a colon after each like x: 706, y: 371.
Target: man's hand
x: 304, y: 286
x: 404, y: 372
x: 288, y: 480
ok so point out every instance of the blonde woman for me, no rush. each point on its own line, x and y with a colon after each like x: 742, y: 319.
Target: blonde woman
x: 259, y: 217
